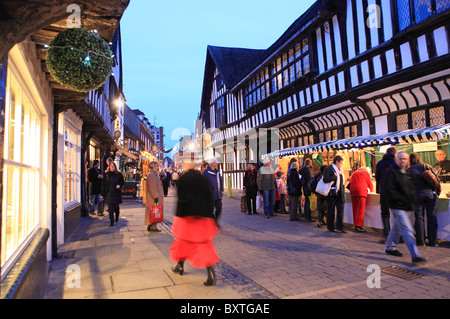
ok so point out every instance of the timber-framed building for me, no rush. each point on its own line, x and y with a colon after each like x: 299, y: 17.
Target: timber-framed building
x: 343, y: 69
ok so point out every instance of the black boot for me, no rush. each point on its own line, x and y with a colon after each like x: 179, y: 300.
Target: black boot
x: 179, y: 268
x: 211, y: 280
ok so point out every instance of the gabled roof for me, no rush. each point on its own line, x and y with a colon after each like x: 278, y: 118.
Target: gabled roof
x: 132, y: 122
x: 233, y: 63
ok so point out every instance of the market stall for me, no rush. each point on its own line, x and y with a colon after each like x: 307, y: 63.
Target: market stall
x: 366, y: 151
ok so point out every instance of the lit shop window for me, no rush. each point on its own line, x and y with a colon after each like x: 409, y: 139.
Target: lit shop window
x: 21, y: 173
x: 71, y: 164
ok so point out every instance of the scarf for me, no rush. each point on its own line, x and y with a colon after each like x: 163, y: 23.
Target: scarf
x: 340, y: 174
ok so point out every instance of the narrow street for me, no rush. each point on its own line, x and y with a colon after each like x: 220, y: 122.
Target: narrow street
x: 260, y: 259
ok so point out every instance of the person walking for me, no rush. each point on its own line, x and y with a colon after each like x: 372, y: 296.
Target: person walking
x: 165, y: 179
x: 336, y: 197
x: 251, y: 188
x: 215, y: 180
x: 401, y: 191
x: 306, y: 174
x: 426, y: 202
x: 321, y: 200
x: 95, y: 187
x: 294, y: 191
x: 112, y: 192
x: 360, y: 184
x: 267, y: 185
x: 154, y: 193
x: 380, y: 171
x: 175, y: 178
x: 281, y: 188
x: 194, y: 225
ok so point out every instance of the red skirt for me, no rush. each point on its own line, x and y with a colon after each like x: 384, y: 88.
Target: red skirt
x: 194, y: 241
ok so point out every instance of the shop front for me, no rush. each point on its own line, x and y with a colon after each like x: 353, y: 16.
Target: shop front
x: 366, y: 151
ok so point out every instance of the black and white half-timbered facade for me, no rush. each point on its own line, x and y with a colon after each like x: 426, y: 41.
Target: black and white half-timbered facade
x: 344, y: 68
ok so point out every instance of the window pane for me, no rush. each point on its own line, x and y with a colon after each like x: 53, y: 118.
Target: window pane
x: 306, y: 67
x: 298, y: 50
x: 404, y: 18
x: 292, y: 73
x: 286, y: 77
x: 402, y: 122
x: 422, y: 9
x: 278, y: 64
x: 305, y: 45
x: 298, y: 69
x: 285, y: 60
x: 442, y: 5
x: 291, y: 55
x: 14, y: 122
x: 418, y: 119
x: 280, y: 80
x: 437, y: 116
x: 274, y: 85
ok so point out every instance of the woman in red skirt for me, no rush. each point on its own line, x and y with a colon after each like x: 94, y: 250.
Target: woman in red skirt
x: 360, y: 184
x: 194, y: 226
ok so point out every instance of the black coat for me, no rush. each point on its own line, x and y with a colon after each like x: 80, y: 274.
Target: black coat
x: 400, y: 188
x: 95, y: 183
x: 380, y: 171
x: 306, y: 179
x: 110, y: 193
x: 194, y: 196
x: 294, y: 185
x: 421, y: 184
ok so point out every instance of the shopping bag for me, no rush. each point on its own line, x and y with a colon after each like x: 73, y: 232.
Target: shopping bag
x: 259, y: 201
x: 313, y: 202
x: 323, y: 188
x: 154, y: 214
x: 243, y: 204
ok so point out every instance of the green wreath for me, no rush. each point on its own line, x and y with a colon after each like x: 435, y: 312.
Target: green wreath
x: 79, y: 60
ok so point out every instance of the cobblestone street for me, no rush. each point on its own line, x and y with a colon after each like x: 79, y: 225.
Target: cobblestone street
x: 260, y: 259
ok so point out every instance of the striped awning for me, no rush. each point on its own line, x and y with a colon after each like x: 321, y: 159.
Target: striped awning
x: 433, y: 133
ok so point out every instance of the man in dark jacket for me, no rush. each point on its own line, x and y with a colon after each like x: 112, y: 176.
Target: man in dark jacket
x: 306, y: 173
x: 215, y: 180
x: 380, y: 170
x: 251, y: 188
x: 336, y: 197
x: 400, y: 185
x: 95, y: 186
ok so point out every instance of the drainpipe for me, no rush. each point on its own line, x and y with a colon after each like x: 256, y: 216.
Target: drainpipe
x: 54, y: 182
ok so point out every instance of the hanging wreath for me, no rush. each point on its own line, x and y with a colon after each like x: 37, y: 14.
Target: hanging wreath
x: 79, y: 60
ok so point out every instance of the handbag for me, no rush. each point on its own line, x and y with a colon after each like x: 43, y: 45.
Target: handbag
x: 323, y: 188
x: 154, y: 214
x: 431, y: 179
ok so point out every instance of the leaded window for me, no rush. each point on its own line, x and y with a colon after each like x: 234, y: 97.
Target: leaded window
x: 414, y: 11
x: 437, y: 115
x: 288, y: 66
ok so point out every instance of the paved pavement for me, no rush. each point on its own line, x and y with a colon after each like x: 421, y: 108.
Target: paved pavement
x: 260, y: 259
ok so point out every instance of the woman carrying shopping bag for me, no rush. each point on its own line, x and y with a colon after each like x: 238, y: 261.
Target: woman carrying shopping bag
x: 154, y: 195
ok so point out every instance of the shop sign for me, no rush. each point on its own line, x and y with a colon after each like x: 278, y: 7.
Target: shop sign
x: 425, y: 147
x: 129, y: 190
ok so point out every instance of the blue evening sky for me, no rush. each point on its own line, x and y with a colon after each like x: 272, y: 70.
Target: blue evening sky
x: 164, y: 50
